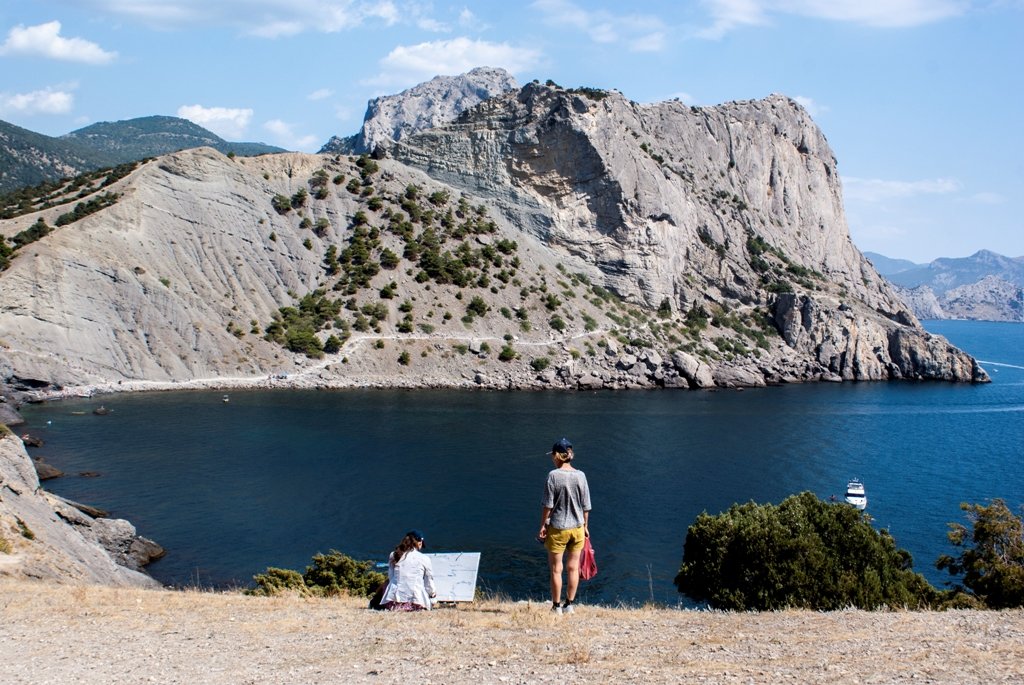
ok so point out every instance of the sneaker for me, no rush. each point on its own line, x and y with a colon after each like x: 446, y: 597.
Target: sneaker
x: 568, y: 608
x: 556, y: 610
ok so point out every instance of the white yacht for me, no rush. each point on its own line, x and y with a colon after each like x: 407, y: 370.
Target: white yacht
x: 855, y: 494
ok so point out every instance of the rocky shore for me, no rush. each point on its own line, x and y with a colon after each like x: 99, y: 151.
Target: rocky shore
x: 60, y: 634
x: 46, y: 537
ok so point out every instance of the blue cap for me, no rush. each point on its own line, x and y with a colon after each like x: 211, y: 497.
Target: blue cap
x: 562, y: 446
x: 416, y: 535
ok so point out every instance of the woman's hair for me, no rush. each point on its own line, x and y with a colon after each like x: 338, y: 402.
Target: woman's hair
x: 563, y: 457
x: 407, y: 543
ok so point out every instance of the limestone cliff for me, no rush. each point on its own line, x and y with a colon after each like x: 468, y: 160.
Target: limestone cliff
x: 438, y: 101
x: 722, y: 207
x: 47, y: 537
x: 546, y: 238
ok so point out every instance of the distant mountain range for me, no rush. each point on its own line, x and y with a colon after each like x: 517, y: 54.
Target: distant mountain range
x: 985, y: 286
x: 28, y: 158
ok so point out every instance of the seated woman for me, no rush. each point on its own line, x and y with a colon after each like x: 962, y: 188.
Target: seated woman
x: 410, y: 576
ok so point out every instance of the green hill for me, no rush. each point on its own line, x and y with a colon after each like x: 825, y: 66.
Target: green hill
x: 28, y: 158
x: 132, y: 139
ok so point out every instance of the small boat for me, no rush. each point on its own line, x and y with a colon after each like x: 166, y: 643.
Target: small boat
x: 226, y: 399
x: 101, y: 411
x: 855, y: 494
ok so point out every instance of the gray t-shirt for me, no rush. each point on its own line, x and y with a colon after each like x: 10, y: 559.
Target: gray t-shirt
x: 567, y: 494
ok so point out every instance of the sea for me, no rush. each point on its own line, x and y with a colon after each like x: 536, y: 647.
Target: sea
x: 270, y: 478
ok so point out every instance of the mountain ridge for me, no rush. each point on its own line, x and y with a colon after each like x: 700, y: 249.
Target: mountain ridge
x: 982, y: 286
x: 28, y: 158
x: 596, y: 242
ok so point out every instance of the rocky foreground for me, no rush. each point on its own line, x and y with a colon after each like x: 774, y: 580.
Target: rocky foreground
x: 62, y: 634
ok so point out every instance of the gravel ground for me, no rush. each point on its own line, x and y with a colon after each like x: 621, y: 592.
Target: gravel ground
x: 75, y: 634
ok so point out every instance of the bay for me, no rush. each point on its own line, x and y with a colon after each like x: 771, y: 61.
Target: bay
x: 271, y: 478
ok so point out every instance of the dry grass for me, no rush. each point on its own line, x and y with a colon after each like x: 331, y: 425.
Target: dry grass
x: 106, y: 635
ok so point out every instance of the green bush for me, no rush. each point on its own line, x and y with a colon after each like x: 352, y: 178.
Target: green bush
x: 31, y: 234
x: 992, y: 558
x: 803, y: 553
x: 281, y: 204
x: 329, y: 575
x: 332, y: 345
x: 539, y: 363
x: 477, y: 306
x: 507, y: 354
x: 278, y: 580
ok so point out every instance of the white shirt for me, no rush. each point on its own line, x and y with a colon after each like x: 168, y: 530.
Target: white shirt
x: 411, y: 579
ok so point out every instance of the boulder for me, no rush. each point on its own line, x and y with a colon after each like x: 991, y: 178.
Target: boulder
x: 697, y: 373
x: 44, y: 470
x: 727, y: 376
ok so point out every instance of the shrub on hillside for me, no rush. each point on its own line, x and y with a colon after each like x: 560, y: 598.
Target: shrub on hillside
x: 803, y: 553
x: 991, y: 562
x: 329, y: 575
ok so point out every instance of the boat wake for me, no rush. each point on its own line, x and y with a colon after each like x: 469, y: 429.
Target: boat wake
x: 1008, y: 366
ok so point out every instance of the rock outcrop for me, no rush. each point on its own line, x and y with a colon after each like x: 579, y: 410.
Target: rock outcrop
x: 547, y: 238
x: 50, y: 538
x: 438, y: 101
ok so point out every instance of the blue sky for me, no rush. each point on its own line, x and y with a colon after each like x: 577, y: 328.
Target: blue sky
x: 921, y: 100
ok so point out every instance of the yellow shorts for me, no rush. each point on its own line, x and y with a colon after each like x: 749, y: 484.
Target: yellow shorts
x: 564, y: 539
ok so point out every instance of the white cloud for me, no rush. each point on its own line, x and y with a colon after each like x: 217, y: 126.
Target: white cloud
x: 988, y: 198
x: 227, y: 123
x: 285, y: 136
x: 410, y: 64
x: 262, y: 18
x: 652, y: 42
x: 320, y: 94
x: 877, y: 190
x: 731, y: 14
x: 44, y: 40
x: 432, y: 25
x: 638, y: 32
x: 45, y: 101
x: 813, y: 108
x: 470, y: 21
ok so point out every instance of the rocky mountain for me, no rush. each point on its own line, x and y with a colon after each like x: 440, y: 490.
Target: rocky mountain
x: 985, y: 286
x: 438, y: 101
x: 28, y: 158
x: 548, y: 238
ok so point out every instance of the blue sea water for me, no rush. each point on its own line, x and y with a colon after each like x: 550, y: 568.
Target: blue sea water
x: 273, y: 477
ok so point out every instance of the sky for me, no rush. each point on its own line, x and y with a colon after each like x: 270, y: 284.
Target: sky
x: 921, y: 100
